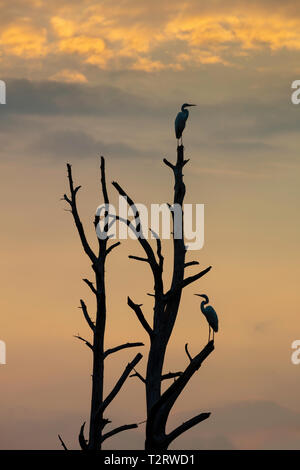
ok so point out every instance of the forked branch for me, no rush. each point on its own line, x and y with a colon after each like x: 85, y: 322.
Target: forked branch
x: 145, y: 244
x: 159, y: 413
x: 187, y: 281
x: 137, y: 374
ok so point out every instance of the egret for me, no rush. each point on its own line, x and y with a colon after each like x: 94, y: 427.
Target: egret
x: 210, y: 315
x: 181, y: 120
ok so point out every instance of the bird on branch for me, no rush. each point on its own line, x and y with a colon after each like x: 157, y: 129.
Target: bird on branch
x: 181, y: 120
x: 210, y: 315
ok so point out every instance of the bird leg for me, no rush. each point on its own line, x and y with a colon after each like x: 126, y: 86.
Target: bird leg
x: 208, y: 333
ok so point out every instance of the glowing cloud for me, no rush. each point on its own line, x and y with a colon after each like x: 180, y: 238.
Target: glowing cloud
x: 167, y: 35
x: 24, y: 40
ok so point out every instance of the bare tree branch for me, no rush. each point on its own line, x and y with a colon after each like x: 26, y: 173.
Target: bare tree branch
x: 158, y: 250
x: 103, y: 240
x: 186, y: 426
x: 86, y: 315
x: 186, y: 282
x: 166, y: 162
x: 91, y: 286
x: 130, y: 366
x: 85, y: 341
x: 109, y: 249
x: 187, y: 352
x: 81, y: 438
x: 62, y: 442
x: 103, y: 181
x: 137, y: 374
x: 104, y: 422
x: 122, y: 346
x: 191, y: 263
x: 159, y: 254
x: 137, y: 309
x: 176, y: 388
x: 160, y: 411
x: 145, y: 244
x: 138, y: 258
x: 125, y: 221
x: 125, y: 427
x: 76, y: 217
x: 194, y: 278
x: 171, y: 375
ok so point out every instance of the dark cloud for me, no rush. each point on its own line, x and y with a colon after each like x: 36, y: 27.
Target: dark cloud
x: 225, y: 120
x: 78, y: 144
x: 60, y: 120
x: 60, y: 99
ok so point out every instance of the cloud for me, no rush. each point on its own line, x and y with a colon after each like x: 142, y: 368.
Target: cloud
x: 24, y: 40
x: 247, y: 31
x: 109, y: 38
x: 238, y: 138
x: 69, y: 76
x: 82, y: 45
x: 51, y: 97
x: 148, y: 65
x: 62, y: 27
x: 78, y: 144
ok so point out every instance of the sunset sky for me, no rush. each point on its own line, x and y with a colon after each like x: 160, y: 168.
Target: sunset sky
x: 87, y: 78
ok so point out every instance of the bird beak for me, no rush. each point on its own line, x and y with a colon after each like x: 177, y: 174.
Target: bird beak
x: 192, y: 105
x: 199, y: 295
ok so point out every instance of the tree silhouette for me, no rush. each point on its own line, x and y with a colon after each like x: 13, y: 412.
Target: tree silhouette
x: 166, y: 306
x: 99, y: 404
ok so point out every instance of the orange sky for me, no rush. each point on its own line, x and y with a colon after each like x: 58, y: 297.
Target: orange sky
x: 86, y: 78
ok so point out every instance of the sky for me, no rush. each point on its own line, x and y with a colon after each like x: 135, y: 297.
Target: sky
x: 95, y: 78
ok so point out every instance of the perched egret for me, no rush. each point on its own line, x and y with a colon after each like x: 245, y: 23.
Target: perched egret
x: 181, y: 120
x: 210, y: 315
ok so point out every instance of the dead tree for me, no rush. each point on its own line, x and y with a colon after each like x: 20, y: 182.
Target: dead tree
x: 99, y: 404
x: 166, y: 306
